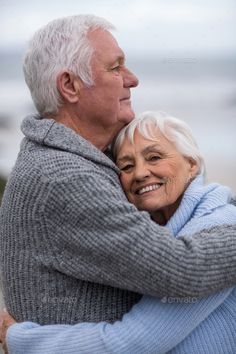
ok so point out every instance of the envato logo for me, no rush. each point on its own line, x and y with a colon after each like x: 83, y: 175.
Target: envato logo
x: 179, y: 300
x: 173, y: 60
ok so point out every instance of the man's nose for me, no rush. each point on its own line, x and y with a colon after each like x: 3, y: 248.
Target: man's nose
x: 130, y: 80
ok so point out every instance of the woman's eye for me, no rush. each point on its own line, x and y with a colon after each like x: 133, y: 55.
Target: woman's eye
x: 154, y: 158
x: 126, y: 168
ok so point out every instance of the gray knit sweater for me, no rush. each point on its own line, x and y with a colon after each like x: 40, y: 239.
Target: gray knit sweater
x: 73, y: 249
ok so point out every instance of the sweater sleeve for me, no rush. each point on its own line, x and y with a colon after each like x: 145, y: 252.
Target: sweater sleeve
x: 96, y: 235
x: 147, y: 328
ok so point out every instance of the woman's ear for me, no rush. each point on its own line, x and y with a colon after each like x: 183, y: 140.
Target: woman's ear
x: 68, y: 86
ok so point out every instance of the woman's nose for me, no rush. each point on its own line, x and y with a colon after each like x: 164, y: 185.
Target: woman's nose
x: 141, y: 173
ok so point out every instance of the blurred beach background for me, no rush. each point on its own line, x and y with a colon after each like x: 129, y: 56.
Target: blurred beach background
x: 182, y: 51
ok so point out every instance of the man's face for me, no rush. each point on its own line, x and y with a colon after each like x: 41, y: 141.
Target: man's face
x: 107, y: 103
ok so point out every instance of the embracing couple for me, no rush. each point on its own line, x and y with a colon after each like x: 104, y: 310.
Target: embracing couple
x: 89, y: 267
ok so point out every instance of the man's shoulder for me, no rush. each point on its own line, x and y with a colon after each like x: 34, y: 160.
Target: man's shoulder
x: 53, y: 163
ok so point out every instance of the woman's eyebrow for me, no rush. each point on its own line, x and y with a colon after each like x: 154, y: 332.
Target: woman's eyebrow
x: 154, y: 147
x: 150, y: 148
x: 125, y: 158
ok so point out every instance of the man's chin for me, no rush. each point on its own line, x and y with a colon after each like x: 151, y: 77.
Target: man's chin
x: 127, y: 116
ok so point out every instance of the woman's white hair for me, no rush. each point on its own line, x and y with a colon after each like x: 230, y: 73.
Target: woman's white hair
x: 61, y: 44
x: 173, y: 129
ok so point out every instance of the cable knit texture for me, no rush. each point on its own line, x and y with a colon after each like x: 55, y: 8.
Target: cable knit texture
x: 70, y: 243
x: 190, y: 326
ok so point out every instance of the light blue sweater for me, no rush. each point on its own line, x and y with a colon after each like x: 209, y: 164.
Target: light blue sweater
x: 170, y: 325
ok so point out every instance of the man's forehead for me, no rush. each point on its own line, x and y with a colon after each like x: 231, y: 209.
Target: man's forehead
x: 102, y: 40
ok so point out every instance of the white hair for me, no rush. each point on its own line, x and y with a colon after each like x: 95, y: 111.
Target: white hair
x: 61, y: 44
x: 173, y: 129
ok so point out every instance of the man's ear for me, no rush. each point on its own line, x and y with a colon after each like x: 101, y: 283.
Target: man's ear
x: 193, y: 167
x: 69, y: 86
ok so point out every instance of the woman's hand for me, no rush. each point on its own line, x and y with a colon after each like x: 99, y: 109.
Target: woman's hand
x: 5, y: 322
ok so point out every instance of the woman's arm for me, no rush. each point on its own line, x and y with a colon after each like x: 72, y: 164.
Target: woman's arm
x: 152, y: 326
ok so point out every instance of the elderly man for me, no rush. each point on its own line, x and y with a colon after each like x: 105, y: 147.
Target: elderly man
x: 72, y: 248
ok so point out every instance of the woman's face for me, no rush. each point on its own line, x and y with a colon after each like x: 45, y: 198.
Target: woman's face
x: 154, y: 175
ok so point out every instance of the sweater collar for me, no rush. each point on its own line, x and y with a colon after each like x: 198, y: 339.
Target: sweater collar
x: 48, y: 132
x: 198, y: 200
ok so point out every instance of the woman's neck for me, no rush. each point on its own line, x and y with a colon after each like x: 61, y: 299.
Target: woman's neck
x: 162, y: 216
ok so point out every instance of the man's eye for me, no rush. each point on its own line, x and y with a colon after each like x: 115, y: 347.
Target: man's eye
x: 116, y: 68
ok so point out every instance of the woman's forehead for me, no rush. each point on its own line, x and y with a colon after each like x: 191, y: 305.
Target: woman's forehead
x: 143, y: 145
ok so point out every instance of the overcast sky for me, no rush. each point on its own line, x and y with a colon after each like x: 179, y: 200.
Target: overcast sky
x: 147, y: 26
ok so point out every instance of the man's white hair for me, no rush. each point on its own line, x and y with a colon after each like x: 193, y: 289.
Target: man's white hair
x: 61, y: 44
x: 174, y: 130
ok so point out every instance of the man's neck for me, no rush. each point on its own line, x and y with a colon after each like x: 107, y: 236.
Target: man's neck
x: 95, y: 135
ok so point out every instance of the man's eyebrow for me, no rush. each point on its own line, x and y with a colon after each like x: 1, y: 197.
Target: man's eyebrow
x: 117, y: 60
x: 119, y: 55
x: 120, y: 58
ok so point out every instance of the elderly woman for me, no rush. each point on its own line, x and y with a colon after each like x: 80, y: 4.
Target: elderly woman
x: 162, y: 173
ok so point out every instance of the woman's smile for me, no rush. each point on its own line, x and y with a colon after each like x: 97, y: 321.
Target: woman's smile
x: 154, y: 175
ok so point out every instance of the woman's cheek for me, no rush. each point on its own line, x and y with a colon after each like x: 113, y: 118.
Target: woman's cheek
x: 124, y: 181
